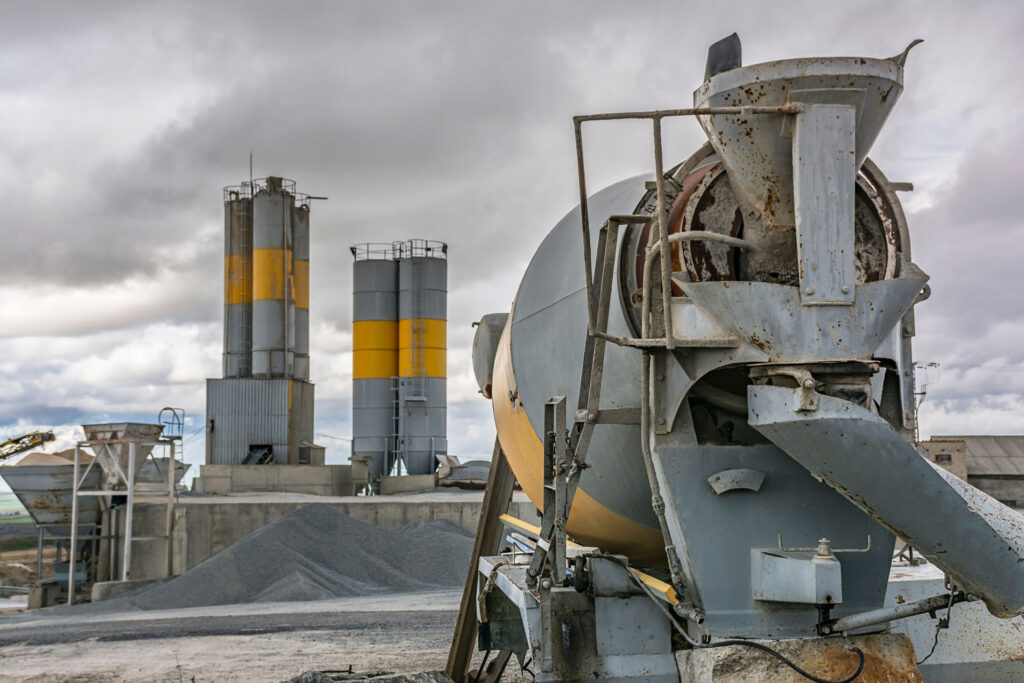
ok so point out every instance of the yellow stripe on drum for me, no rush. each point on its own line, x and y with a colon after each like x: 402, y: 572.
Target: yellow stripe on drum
x: 590, y: 522
x: 237, y: 280
x: 302, y: 284
x: 271, y: 269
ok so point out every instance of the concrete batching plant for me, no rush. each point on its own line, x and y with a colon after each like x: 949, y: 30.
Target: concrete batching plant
x: 399, y: 355
x: 261, y: 411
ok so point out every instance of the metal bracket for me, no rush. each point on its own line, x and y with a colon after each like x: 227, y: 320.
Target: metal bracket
x: 824, y: 548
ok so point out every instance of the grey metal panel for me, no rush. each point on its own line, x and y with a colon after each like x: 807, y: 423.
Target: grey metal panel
x: 423, y: 423
x: 238, y: 316
x: 300, y: 254
x: 237, y: 340
x: 273, y: 322
x: 432, y: 275
x: 46, y: 492
x: 268, y: 338
x: 246, y: 411
x: 975, y: 538
x: 755, y: 150
x: 301, y: 367
x: 714, y: 534
x: 272, y: 220
x: 373, y: 402
x: 771, y: 318
x: 549, y: 328
x: 375, y: 290
x: 485, y: 349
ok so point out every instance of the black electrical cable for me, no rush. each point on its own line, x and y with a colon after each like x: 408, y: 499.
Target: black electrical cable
x: 723, y: 643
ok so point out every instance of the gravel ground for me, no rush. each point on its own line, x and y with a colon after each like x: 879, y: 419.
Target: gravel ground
x: 259, y: 642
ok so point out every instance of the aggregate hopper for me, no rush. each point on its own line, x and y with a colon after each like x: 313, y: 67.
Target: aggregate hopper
x: 112, y: 443
x: 737, y: 361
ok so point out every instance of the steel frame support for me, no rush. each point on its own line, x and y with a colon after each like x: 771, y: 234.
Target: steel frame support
x: 489, y: 534
x: 129, y: 481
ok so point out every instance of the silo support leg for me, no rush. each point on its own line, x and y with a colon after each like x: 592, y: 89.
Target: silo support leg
x: 489, y: 533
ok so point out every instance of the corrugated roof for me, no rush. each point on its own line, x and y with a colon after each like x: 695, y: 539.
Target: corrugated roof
x: 987, y: 455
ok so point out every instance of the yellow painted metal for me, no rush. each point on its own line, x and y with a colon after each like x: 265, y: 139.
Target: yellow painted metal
x: 374, y: 349
x: 272, y: 274
x: 665, y: 590
x: 434, y: 343
x: 590, y: 522
x: 301, y: 284
x: 237, y: 279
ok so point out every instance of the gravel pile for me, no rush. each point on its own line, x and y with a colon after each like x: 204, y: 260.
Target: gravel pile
x: 318, y: 553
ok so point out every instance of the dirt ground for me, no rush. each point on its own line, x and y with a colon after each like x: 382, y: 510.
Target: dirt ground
x: 18, y: 567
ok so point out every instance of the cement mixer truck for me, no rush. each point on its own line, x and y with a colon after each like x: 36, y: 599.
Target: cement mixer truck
x: 705, y: 383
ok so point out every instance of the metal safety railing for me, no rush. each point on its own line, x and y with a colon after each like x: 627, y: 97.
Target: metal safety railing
x: 661, y: 247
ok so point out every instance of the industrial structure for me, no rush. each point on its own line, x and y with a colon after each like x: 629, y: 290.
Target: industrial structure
x: 261, y: 411
x: 718, y: 409
x: 399, y: 356
x: 994, y: 464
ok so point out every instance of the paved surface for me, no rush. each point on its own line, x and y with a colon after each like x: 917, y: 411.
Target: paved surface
x: 260, y: 642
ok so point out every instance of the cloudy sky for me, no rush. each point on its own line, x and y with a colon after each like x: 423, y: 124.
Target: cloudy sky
x: 121, y: 122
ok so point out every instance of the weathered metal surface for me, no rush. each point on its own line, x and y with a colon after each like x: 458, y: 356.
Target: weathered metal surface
x: 975, y: 647
x: 771, y: 318
x: 114, y: 457
x: 485, y: 348
x: 736, y: 479
x: 45, y: 491
x: 976, y: 539
x: 756, y: 149
x: 246, y: 412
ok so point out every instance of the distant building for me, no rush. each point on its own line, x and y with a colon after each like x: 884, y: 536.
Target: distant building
x: 994, y: 464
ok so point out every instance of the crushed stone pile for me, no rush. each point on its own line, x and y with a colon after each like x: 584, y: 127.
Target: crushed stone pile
x: 318, y: 553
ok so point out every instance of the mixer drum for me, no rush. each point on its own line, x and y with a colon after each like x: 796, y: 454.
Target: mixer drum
x: 541, y: 350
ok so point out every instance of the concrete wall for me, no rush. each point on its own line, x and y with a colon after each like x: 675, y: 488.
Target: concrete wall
x: 205, y: 525
x: 1007, y: 489
x: 316, y: 480
x: 949, y: 455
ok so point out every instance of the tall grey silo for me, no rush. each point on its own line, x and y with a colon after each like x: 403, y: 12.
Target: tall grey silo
x: 374, y: 355
x: 422, y: 354
x: 273, y: 305
x: 237, y: 281
x: 300, y: 259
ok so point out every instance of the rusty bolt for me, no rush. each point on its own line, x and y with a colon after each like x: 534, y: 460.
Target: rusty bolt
x: 592, y: 416
x: 846, y: 289
x: 809, y: 290
x: 808, y: 383
x: 545, y: 584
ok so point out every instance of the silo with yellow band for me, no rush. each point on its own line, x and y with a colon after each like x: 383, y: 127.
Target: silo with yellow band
x: 422, y: 353
x: 374, y: 355
x: 273, y: 286
x: 300, y: 268
x: 237, y: 283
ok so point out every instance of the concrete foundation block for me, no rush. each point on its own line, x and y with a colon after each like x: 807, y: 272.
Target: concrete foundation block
x: 43, y: 594
x: 406, y: 484
x: 888, y: 657
x: 105, y: 590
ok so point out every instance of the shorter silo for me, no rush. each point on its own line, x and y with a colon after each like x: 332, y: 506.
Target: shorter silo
x: 422, y: 354
x: 374, y: 355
